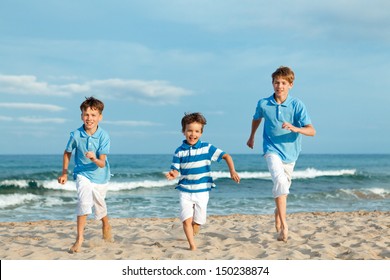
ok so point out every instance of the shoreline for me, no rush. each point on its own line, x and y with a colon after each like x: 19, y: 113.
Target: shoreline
x: 358, y: 235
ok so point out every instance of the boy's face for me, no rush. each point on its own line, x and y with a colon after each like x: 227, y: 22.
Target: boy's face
x: 91, y: 118
x: 193, y: 132
x: 281, y: 87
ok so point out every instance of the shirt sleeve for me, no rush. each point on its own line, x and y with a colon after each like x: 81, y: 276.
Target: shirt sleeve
x: 303, y: 117
x: 176, y: 162
x: 215, y: 153
x: 104, y: 147
x: 259, y: 112
x: 71, y: 143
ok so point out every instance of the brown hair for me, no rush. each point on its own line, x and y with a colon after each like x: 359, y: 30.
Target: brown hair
x: 285, y: 73
x: 93, y: 103
x: 191, y: 118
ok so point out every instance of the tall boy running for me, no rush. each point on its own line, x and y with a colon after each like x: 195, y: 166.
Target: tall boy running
x: 285, y: 120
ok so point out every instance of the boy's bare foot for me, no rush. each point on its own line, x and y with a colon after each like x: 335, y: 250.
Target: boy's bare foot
x: 196, y: 228
x: 107, y: 235
x: 283, y: 236
x: 76, y: 247
x: 193, y: 247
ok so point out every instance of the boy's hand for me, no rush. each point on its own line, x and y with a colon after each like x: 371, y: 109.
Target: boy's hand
x: 250, y: 143
x: 307, y: 130
x: 172, y: 174
x: 235, y: 177
x: 62, y: 179
x: 90, y: 155
x: 290, y: 127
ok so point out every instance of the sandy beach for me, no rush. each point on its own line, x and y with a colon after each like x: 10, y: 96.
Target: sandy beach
x: 321, y: 236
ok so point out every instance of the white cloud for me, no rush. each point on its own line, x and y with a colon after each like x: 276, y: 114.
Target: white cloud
x: 32, y: 106
x: 157, y: 92
x: 33, y: 120
x: 150, y: 92
x: 131, y: 123
x: 29, y: 85
x: 37, y: 120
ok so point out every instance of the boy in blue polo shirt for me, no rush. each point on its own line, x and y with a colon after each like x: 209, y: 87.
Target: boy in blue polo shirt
x: 92, y: 171
x: 192, y: 160
x: 285, y: 120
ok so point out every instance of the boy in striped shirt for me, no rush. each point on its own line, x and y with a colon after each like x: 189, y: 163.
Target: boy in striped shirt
x: 192, y: 160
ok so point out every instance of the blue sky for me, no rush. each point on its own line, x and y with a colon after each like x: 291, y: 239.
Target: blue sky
x: 151, y: 61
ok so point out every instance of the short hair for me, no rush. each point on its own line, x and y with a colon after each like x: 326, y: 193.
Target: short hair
x: 191, y: 118
x: 285, y: 73
x: 93, y: 103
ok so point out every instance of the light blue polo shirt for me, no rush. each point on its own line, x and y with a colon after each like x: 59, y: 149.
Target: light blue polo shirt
x: 285, y: 143
x: 99, y: 143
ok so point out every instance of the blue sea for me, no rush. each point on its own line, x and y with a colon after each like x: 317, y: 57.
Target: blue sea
x: 29, y: 190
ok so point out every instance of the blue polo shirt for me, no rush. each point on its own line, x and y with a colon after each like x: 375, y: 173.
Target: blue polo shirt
x: 99, y: 143
x: 285, y: 143
x: 194, y: 165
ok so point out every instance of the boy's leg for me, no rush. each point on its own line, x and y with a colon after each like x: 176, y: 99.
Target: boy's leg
x: 99, y: 199
x: 186, y: 216
x: 189, y: 232
x: 281, y: 176
x: 84, y: 196
x: 81, y: 222
x: 200, y: 210
x: 84, y: 207
x: 196, y: 228
x: 281, y: 209
x: 106, y: 228
x: 278, y: 224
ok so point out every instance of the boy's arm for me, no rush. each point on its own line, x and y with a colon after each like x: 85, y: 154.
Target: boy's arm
x: 307, y: 130
x: 230, y: 164
x: 172, y: 174
x: 65, y: 164
x: 255, y: 126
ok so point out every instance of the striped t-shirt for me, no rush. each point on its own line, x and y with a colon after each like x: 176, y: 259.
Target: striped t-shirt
x: 194, y: 165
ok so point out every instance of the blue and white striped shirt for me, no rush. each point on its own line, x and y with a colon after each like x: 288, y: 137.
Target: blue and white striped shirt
x: 194, y: 165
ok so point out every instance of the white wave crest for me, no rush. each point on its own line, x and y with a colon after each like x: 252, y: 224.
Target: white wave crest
x: 243, y: 175
x: 371, y: 193
x: 308, y: 173
x: 314, y: 173
x: 17, y: 183
x: 113, y: 185
x: 47, y: 184
x: 8, y: 200
x: 119, y: 186
x: 54, y: 185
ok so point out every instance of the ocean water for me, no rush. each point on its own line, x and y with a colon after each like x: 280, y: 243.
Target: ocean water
x: 29, y: 190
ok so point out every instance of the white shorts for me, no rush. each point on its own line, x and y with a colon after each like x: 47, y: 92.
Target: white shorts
x: 281, y: 174
x: 194, y: 205
x: 91, y: 195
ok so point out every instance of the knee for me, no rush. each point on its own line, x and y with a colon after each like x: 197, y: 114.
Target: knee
x: 188, y: 222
